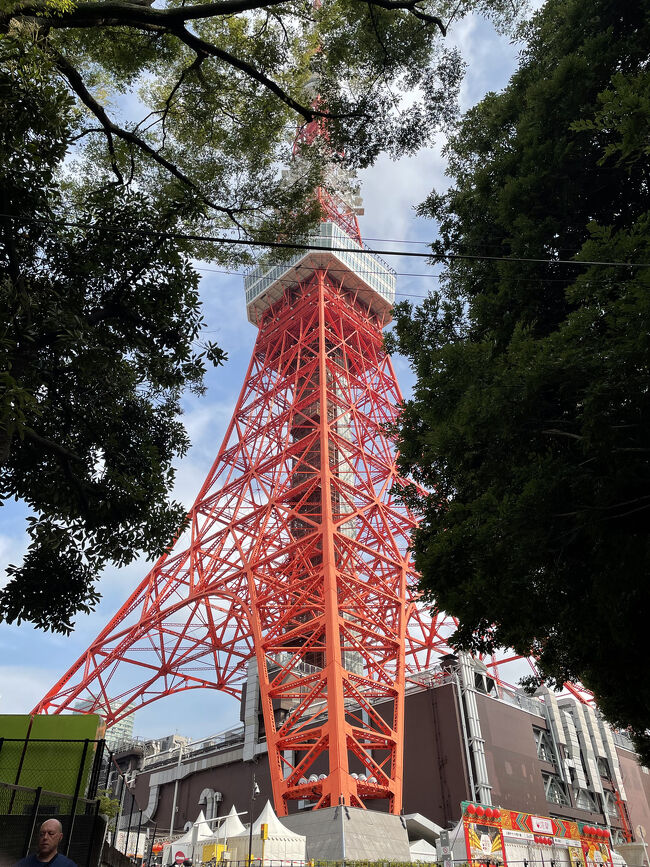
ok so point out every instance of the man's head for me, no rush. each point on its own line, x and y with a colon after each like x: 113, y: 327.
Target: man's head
x: 49, y: 837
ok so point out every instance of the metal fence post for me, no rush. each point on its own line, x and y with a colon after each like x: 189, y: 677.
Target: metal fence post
x: 116, y: 821
x: 21, y: 762
x: 137, y: 839
x: 32, y: 824
x: 149, y: 846
x: 128, y: 830
x: 75, y: 799
x: 91, y: 842
x: 93, y: 784
x: 109, y: 766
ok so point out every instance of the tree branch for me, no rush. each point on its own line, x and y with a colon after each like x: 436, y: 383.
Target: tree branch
x: 171, y: 21
x: 116, y: 12
x: 110, y: 128
x: 373, y: 19
x: 412, y: 7
x: 562, y: 433
x: 64, y: 457
x: 52, y: 446
x: 193, y: 67
x: 88, y: 14
x: 200, y: 46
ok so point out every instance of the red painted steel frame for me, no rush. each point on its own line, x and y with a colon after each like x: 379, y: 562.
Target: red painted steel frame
x: 297, y: 554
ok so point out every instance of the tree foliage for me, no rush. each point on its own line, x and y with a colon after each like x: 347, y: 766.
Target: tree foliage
x: 220, y: 84
x: 100, y: 334
x: 530, y: 419
x: 124, y: 123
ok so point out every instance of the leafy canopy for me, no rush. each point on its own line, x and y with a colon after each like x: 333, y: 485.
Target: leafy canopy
x: 531, y: 415
x: 99, y: 337
x: 219, y: 87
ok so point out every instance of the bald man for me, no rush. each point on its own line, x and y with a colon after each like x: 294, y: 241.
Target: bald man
x: 50, y: 835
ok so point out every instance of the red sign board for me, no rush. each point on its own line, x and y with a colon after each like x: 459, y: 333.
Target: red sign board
x: 179, y: 857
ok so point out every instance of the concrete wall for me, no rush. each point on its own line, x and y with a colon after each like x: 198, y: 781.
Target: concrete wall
x: 339, y: 833
x: 514, y: 769
x: 511, y: 756
x: 435, y: 768
x: 233, y: 780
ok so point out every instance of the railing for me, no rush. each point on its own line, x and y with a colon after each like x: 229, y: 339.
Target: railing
x: 525, y: 702
x: 223, y: 740
x: 622, y: 739
x: 367, y: 265
x: 22, y: 801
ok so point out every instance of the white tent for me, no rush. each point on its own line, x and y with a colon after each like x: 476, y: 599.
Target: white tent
x: 282, y: 845
x: 181, y: 849
x: 231, y: 826
x: 421, y: 850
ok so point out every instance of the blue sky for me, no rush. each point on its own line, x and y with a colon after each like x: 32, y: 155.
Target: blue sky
x: 32, y: 661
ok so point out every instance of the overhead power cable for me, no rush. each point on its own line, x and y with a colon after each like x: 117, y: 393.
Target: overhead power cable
x: 416, y: 295
x: 428, y: 276
x: 290, y: 245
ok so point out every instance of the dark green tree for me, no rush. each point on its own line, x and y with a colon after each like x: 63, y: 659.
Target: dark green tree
x: 100, y: 334
x: 530, y: 420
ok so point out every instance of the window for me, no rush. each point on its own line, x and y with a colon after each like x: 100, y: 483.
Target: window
x: 586, y: 801
x: 555, y: 790
x: 609, y: 804
x: 484, y: 683
x: 603, y: 768
x: 544, y: 746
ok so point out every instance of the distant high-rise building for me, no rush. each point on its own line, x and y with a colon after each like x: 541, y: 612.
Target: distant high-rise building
x: 119, y: 732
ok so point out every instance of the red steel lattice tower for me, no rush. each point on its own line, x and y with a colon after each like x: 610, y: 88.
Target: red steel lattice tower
x: 297, y: 550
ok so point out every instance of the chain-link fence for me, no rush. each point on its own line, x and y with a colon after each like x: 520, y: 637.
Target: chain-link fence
x: 71, y: 765
x: 48, y: 778
x: 23, y: 810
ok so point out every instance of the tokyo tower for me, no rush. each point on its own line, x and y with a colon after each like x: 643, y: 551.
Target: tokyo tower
x: 296, y: 554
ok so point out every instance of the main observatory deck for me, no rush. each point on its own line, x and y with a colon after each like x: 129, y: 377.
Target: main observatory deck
x: 358, y: 269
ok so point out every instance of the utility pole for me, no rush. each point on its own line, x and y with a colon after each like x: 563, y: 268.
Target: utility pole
x: 255, y: 790
x: 178, y: 767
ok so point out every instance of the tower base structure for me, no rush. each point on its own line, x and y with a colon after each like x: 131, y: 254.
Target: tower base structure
x: 351, y: 834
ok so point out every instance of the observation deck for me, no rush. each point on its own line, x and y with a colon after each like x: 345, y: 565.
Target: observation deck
x: 357, y: 269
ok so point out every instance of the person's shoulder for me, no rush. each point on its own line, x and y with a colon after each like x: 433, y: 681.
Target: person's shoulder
x: 63, y: 861
x: 27, y: 861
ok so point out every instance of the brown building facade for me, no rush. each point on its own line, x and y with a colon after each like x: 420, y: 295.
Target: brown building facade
x: 466, y: 739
